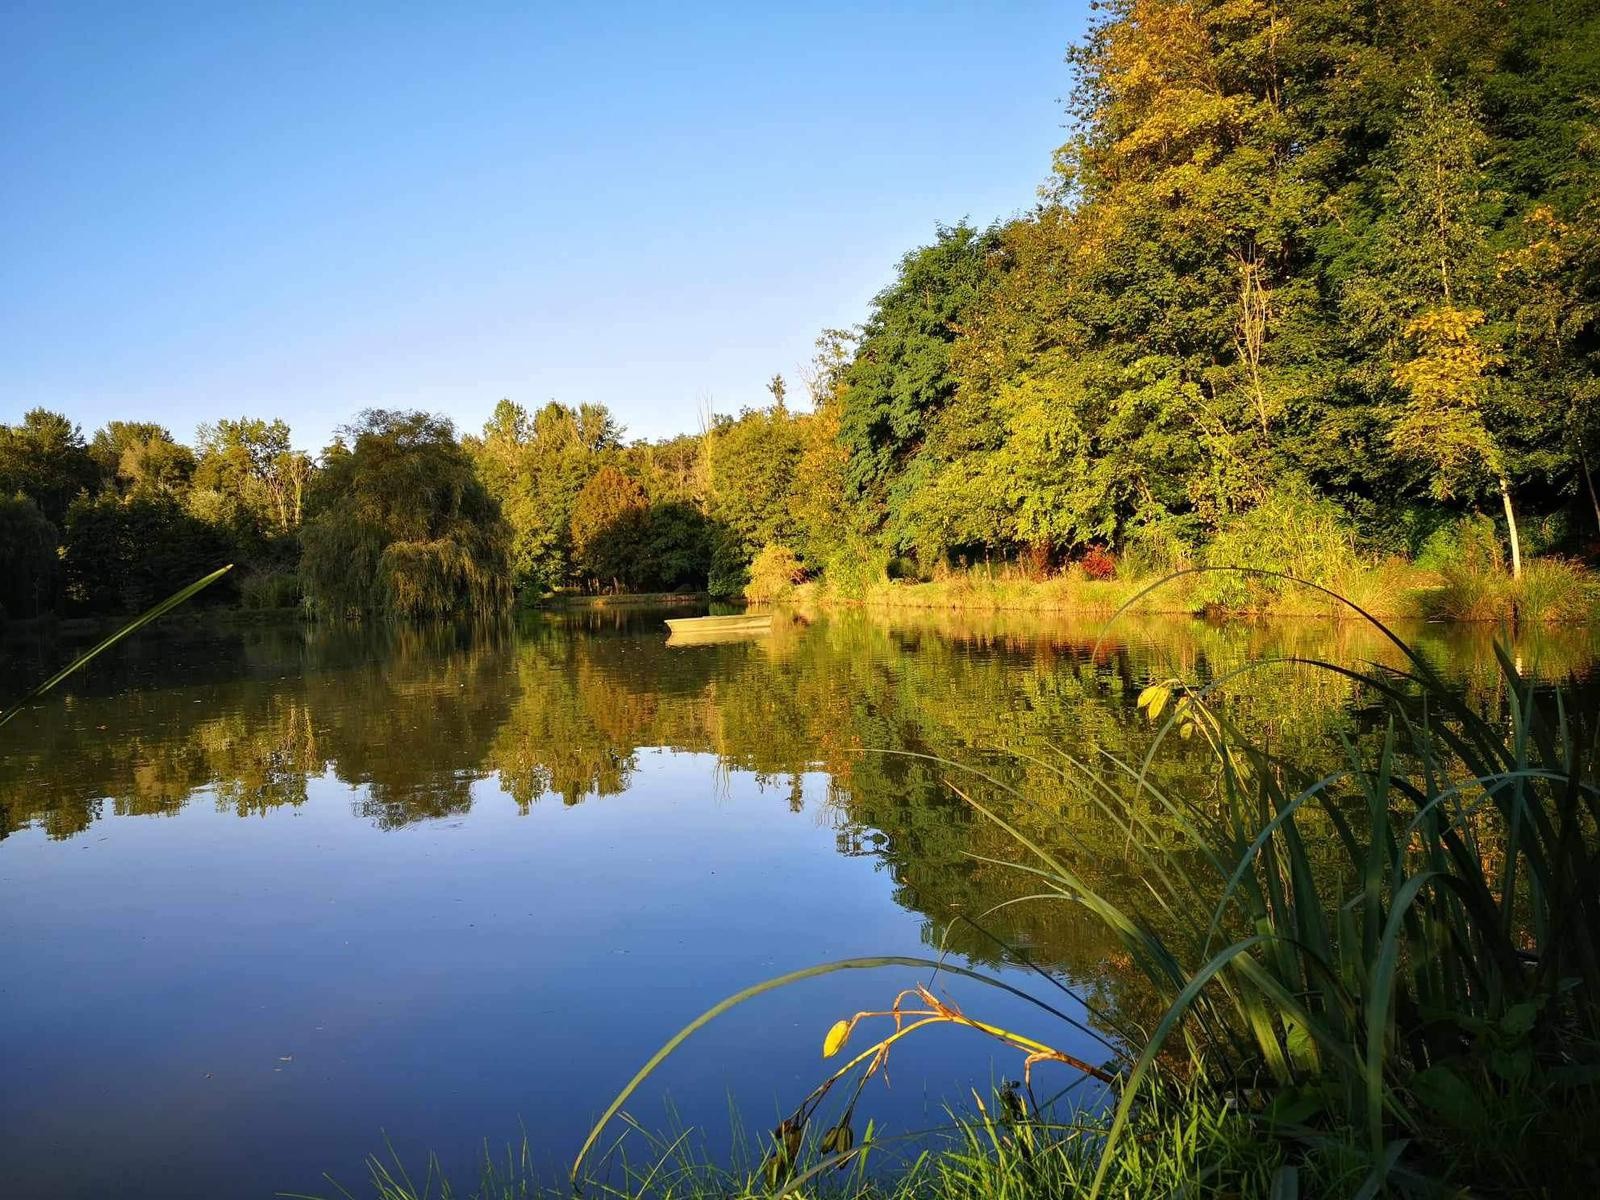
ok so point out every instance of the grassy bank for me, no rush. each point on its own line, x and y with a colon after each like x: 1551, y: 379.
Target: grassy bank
x: 620, y: 599
x: 1551, y: 591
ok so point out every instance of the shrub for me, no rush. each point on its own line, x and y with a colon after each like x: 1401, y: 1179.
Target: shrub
x: 1471, y: 543
x: 1157, y: 547
x: 1554, y: 590
x: 271, y: 590
x: 773, y: 574
x: 1468, y: 595
x: 1292, y: 532
x: 1097, y: 563
x: 854, y: 569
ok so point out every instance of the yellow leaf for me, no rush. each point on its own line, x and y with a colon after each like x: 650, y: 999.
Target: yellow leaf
x: 1154, y: 698
x: 835, y: 1040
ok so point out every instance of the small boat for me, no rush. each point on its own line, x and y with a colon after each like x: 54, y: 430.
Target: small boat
x: 704, y: 629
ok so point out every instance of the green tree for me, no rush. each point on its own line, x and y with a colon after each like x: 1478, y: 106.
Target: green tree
x: 900, y: 378
x: 402, y: 526
x: 44, y: 458
x: 536, y: 465
x: 29, y: 564
x: 249, y: 476
x: 752, y: 465
x: 675, y: 549
x: 608, y: 527
x: 124, y: 555
x: 141, y: 458
x: 1437, y: 228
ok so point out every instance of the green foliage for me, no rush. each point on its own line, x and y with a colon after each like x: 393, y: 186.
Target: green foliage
x: 1292, y: 532
x: 128, y: 554
x: 238, y: 499
x: 753, y: 463
x: 900, y: 378
x: 1470, y: 542
x: 536, y: 466
x: 45, y: 459
x: 608, y: 522
x: 730, y: 566
x: 1287, y: 243
x: 855, y: 568
x: 249, y: 480
x: 1555, y: 590
x: 402, y: 527
x: 1551, y: 591
x: 773, y: 574
x: 140, y: 458
x: 271, y: 590
x: 674, y: 551
x: 29, y: 566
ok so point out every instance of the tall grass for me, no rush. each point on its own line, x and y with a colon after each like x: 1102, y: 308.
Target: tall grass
x: 1551, y: 591
x: 1382, y: 977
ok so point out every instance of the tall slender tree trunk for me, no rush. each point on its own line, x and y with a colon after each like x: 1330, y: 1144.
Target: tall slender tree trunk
x: 1594, y: 500
x: 1511, y: 526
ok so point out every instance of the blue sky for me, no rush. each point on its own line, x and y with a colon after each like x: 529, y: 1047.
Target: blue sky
x: 304, y: 210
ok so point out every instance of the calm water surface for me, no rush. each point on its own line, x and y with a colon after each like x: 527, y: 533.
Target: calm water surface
x: 269, y: 896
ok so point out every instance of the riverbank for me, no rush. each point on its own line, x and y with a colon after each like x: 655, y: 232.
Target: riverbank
x: 561, y: 600
x: 1551, y: 591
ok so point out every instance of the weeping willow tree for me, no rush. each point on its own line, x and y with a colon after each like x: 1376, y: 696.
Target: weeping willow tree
x: 402, y: 527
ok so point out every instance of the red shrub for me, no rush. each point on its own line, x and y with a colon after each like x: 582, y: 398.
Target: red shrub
x: 1098, y: 563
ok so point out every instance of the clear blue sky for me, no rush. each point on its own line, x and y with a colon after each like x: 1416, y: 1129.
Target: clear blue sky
x: 303, y: 210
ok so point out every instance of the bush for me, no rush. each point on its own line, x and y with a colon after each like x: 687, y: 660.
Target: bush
x: 1157, y: 547
x: 271, y: 590
x: 1555, y: 590
x: 1097, y: 563
x: 1551, y: 591
x: 773, y: 574
x: 1471, y: 543
x: 1292, y: 532
x: 854, y: 569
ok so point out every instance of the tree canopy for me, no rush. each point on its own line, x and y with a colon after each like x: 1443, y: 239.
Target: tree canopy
x: 402, y: 526
x: 1294, y: 257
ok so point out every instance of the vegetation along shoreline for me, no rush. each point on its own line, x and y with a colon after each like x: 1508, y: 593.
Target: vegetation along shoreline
x: 1302, y: 322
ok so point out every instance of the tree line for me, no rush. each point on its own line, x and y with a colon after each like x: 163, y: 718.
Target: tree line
x: 1329, y: 263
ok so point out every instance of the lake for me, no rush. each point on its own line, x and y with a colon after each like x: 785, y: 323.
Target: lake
x: 273, y: 898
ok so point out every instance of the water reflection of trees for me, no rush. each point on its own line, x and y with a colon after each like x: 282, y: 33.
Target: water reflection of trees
x: 559, y: 708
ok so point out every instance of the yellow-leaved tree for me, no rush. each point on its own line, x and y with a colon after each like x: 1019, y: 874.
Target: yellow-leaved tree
x: 1441, y: 423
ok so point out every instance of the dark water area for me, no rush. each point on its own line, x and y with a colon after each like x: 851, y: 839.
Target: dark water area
x: 270, y: 896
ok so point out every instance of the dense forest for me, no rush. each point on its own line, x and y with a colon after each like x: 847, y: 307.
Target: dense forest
x: 1300, y: 266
